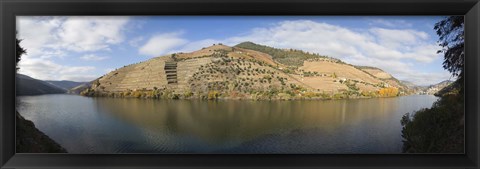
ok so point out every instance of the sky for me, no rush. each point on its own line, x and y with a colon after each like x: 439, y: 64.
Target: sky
x: 83, y: 48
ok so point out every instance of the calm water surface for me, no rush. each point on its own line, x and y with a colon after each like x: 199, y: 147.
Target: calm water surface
x: 115, y: 125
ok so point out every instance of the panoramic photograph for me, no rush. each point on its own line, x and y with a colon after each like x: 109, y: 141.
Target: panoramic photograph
x: 240, y: 84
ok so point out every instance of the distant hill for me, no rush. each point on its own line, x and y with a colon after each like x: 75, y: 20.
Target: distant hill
x: 430, y: 89
x: 433, y: 89
x: 245, y: 71
x: 65, y: 84
x: 26, y: 85
x: 448, y: 87
x: 81, y: 87
x: 408, y: 84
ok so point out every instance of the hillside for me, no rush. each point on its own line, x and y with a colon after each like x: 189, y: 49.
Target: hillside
x: 26, y: 85
x: 436, y: 88
x: 245, y: 71
x: 65, y: 84
x: 78, y: 89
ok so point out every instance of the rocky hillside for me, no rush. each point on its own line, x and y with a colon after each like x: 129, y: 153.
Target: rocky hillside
x: 245, y: 71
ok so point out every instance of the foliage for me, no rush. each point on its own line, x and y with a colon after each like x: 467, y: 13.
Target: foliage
x: 440, y: 129
x: 19, y: 51
x: 310, y: 74
x: 187, y: 94
x: 310, y: 94
x: 388, y: 92
x: 137, y: 94
x: 213, y: 95
x: 289, y: 57
x: 435, y: 130
x: 451, y: 38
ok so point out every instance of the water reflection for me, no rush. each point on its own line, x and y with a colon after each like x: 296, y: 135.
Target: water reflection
x: 194, y: 126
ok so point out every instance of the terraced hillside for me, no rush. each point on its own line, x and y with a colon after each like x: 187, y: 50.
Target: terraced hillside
x: 244, y: 72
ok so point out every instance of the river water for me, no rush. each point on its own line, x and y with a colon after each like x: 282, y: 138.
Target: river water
x: 127, y: 125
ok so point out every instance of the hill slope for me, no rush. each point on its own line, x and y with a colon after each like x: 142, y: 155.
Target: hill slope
x: 26, y: 85
x: 65, y: 84
x: 246, y: 71
x: 78, y: 89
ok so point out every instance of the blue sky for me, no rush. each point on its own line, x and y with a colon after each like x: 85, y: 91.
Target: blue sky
x: 84, y: 48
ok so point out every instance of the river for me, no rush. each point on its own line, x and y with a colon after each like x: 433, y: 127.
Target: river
x: 128, y: 125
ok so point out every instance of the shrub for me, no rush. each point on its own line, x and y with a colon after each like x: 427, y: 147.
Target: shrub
x: 187, y: 94
x: 388, y: 92
x: 439, y: 129
x: 137, y: 94
x: 310, y: 94
x: 174, y: 96
x: 213, y: 95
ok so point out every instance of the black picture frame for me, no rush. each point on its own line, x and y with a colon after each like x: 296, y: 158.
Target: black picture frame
x: 11, y: 8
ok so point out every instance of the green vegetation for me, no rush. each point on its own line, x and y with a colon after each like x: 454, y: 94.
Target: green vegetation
x: 310, y: 74
x: 291, y: 57
x: 440, y: 129
x: 452, y: 40
x: 19, y: 52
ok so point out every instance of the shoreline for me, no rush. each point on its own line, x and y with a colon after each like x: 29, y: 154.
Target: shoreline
x: 254, y: 97
x: 31, y: 140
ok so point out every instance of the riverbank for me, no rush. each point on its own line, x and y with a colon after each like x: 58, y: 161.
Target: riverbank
x: 31, y: 140
x: 272, y: 94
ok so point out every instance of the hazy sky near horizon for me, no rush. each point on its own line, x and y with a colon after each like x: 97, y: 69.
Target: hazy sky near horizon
x: 86, y: 47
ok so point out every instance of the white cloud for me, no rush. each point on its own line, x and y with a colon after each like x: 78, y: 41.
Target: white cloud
x: 135, y: 42
x: 162, y: 44
x: 389, y: 49
x: 390, y: 22
x: 47, y: 39
x: 396, y: 38
x: 91, y: 57
x: 91, y: 33
x: 78, y: 34
x: 38, y: 34
x: 47, y: 70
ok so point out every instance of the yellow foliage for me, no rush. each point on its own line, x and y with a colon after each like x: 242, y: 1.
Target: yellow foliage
x: 187, y: 94
x: 213, y: 95
x: 388, y: 92
x: 137, y: 94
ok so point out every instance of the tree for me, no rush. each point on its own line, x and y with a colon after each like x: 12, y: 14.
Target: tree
x: 19, y: 52
x: 440, y: 129
x: 451, y: 38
